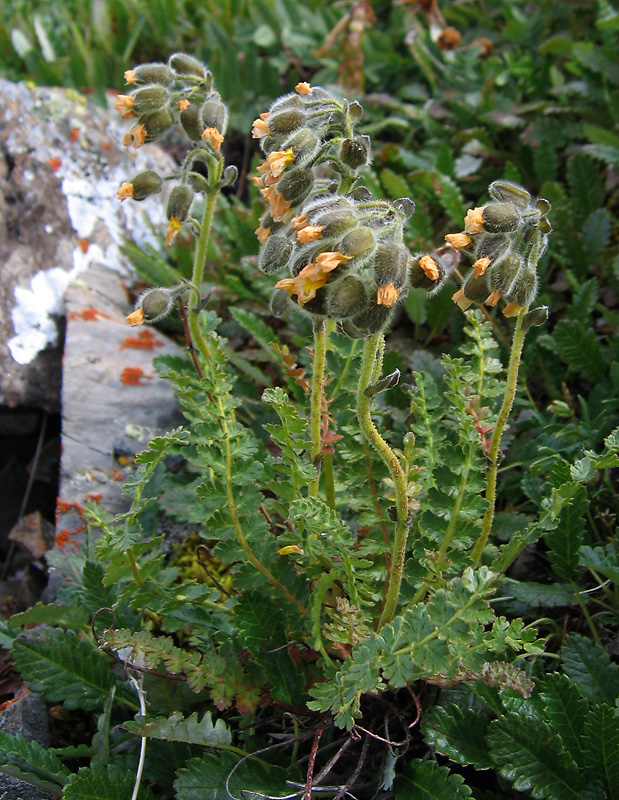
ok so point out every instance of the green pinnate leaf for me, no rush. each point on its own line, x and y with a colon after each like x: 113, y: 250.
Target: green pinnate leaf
x: 192, y: 730
x: 566, y: 539
x: 29, y: 761
x: 580, y: 349
x: 63, y: 668
x: 51, y: 614
x: 528, y: 753
x: 101, y: 783
x: 423, y: 780
x: 585, y: 184
x: 566, y: 710
x: 589, y: 666
x: 601, y: 742
x: 459, y: 734
x: 603, y: 560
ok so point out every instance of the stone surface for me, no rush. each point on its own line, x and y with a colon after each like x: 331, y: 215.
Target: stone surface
x: 61, y: 162
x: 28, y: 717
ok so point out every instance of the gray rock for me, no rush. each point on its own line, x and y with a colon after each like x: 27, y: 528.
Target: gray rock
x: 28, y: 717
x: 61, y: 161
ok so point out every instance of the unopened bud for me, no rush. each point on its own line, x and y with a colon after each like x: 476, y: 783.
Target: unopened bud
x: 295, y: 184
x: 346, y: 297
x: 230, y: 176
x: 317, y: 306
x: 191, y: 121
x: 286, y: 120
x: 361, y: 194
x: 405, y: 206
x: 157, y: 124
x: 358, y: 243
x: 280, y: 302
x: 476, y: 289
x: 179, y: 202
x: 304, y: 145
x: 150, y: 73
x: 390, y: 265
x: 145, y: 184
x: 509, y: 192
x: 524, y: 288
x: 500, y: 217
x: 214, y: 114
x: 373, y: 319
x: 356, y: 152
x: 187, y: 65
x: 355, y: 111
x: 535, y: 317
x: 425, y: 272
x: 542, y: 205
x: 492, y: 246
x: 149, y: 99
x: 275, y: 254
x: 504, y: 274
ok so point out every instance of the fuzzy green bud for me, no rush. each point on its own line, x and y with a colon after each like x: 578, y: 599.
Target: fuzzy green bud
x: 157, y: 124
x: 391, y: 265
x: 191, y: 121
x: 214, y: 114
x: 185, y: 64
x: 504, y: 274
x: 355, y: 152
x: 304, y: 145
x: 150, y: 73
x: 373, y: 319
x: 149, y: 99
x: 295, y: 184
x: 358, y: 243
x: 492, y: 246
x: 317, y: 306
x: 405, y: 206
x: 476, y: 289
x: 275, y: 254
x: 155, y: 304
x: 230, y: 176
x: 286, y: 120
x: 501, y: 217
x: 179, y: 202
x: 425, y: 272
x: 509, y: 192
x: 524, y: 288
x: 355, y: 112
x: 280, y: 302
x: 535, y: 317
x: 346, y: 297
x: 145, y: 184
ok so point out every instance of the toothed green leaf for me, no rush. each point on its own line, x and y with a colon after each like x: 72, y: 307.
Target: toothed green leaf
x: 423, y: 780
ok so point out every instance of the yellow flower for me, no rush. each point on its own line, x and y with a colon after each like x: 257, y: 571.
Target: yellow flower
x: 459, y: 298
x: 135, y: 318
x: 262, y: 234
x: 260, y: 127
x: 130, y: 76
x: 303, y: 88
x: 474, y: 220
x: 274, y: 165
x: 213, y: 136
x: 173, y: 229
x: 512, y: 309
x: 493, y: 298
x: 124, y: 105
x: 310, y: 233
x: 311, y: 278
x: 290, y: 548
x: 279, y: 208
x: 183, y: 104
x: 461, y: 241
x: 135, y: 137
x: 387, y: 295
x: 125, y: 191
x: 480, y: 266
x: 430, y: 267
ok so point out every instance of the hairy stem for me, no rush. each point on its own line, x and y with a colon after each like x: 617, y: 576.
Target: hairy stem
x: 372, y: 346
x: 320, y: 358
x: 495, y: 442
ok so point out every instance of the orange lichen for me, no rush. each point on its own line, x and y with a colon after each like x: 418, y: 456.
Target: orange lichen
x: 55, y: 163
x: 145, y: 340
x: 133, y: 376
x: 89, y: 315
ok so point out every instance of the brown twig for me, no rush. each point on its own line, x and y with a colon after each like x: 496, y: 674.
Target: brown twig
x: 190, y: 347
x: 312, y: 760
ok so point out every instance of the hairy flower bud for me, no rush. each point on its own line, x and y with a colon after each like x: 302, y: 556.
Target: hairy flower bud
x: 501, y: 217
x: 425, y: 272
x: 286, y: 120
x: 524, y: 289
x: 391, y: 265
x: 185, y: 64
x: 504, y: 274
x: 295, y: 184
x: 179, y: 202
x: 280, y: 302
x: 214, y: 114
x: 405, y: 206
x: 150, y: 73
x: 145, y: 184
x: 275, y: 254
x: 356, y: 152
x: 509, y: 192
x: 304, y: 145
x: 535, y: 317
x: 157, y: 124
x: 358, y: 243
x: 346, y: 297
x: 373, y: 319
x: 191, y: 121
x: 476, y: 289
x: 149, y: 99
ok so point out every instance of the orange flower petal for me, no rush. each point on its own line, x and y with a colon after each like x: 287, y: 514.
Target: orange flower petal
x: 474, y: 220
x: 462, y: 301
x: 493, y: 298
x: 480, y: 266
x: 387, y: 295
x: 461, y: 241
x: 135, y: 318
x: 512, y: 309
x: 303, y: 88
x: 430, y: 267
x: 310, y: 233
x: 124, y: 191
x: 262, y: 234
x: 213, y: 136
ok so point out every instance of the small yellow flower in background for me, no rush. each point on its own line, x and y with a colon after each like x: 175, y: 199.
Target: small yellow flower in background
x: 135, y: 318
x: 262, y: 234
x: 290, y: 548
x: 474, y: 220
x: 309, y: 233
x: 303, y: 88
x: 462, y: 301
x: 387, y: 295
x: 430, y: 267
x: 125, y: 191
x: 124, y: 105
x: 260, y: 127
x: 135, y: 137
x: 480, y: 266
x: 512, y: 309
x: 493, y: 298
x: 461, y: 241
x: 130, y: 76
x: 213, y: 136
x: 173, y: 229
x: 183, y: 104
x: 275, y: 164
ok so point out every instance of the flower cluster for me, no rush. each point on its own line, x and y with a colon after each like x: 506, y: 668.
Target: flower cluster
x: 179, y: 92
x: 344, y: 250
x: 506, y: 238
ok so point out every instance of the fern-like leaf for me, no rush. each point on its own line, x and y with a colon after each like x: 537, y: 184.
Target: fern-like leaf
x: 601, y: 738
x: 177, y: 728
x: 528, y: 753
x: 29, y: 761
x: 99, y: 783
x: 566, y: 710
x: 589, y: 666
x: 566, y: 539
x: 422, y: 780
x: 63, y: 668
x: 459, y: 734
